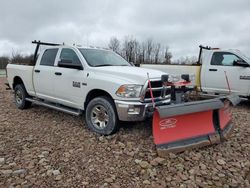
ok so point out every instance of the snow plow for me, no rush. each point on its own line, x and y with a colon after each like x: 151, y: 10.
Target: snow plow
x: 202, y: 121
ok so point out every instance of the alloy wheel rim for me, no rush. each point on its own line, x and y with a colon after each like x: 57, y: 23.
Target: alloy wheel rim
x: 19, y: 97
x: 99, y: 117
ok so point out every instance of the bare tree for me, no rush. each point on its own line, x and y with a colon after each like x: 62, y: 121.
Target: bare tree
x: 18, y: 58
x: 127, y: 48
x: 143, y: 52
x: 157, y: 48
x: 130, y: 49
x: 168, y: 56
x: 136, y: 51
x: 140, y: 52
x: 4, y: 60
x: 114, y: 44
x: 149, y: 48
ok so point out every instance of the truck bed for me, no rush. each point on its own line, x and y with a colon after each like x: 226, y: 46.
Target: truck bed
x: 23, y: 71
x: 176, y: 70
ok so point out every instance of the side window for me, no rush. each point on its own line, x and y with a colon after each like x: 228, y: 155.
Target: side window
x: 224, y: 59
x: 69, y: 54
x: 49, y: 57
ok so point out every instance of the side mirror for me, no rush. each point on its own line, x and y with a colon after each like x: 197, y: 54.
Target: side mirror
x: 69, y: 64
x: 241, y: 63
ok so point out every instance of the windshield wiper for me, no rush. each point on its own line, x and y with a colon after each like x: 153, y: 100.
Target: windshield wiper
x: 103, y: 65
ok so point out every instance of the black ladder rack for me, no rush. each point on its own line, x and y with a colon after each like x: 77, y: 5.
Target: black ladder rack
x: 38, y: 43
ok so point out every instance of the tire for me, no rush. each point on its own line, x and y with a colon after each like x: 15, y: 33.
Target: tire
x: 20, y: 94
x: 101, y: 116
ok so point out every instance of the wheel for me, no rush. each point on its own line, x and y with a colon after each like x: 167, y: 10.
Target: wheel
x: 20, y: 96
x: 101, y: 116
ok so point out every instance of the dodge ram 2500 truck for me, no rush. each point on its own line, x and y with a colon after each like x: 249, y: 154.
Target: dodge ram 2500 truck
x: 211, y: 70
x: 74, y: 79
x: 98, y: 81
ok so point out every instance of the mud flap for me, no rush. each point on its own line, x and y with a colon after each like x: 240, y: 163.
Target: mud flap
x: 193, y: 124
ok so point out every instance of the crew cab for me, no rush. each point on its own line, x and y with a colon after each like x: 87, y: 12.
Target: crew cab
x: 218, y: 71
x: 74, y: 79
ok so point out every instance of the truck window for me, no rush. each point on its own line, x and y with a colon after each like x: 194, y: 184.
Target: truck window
x: 69, y: 54
x: 49, y: 57
x: 224, y: 58
x: 96, y: 58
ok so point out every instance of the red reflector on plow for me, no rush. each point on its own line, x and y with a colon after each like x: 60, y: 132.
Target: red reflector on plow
x: 194, y: 124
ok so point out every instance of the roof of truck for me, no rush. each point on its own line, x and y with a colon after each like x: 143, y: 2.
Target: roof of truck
x: 77, y: 47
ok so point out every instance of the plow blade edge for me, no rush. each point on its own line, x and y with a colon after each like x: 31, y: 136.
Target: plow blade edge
x: 194, y: 124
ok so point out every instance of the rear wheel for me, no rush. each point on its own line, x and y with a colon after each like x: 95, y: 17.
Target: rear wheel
x: 20, y: 96
x: 101, y: 116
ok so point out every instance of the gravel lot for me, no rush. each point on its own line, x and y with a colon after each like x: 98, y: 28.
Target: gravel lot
x: 40, y: 147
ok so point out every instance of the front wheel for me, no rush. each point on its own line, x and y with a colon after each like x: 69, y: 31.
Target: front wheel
x: 101, y: 117
x: 20, y: 96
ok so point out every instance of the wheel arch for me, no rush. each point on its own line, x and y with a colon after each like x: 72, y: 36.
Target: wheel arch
x: 96, y: 93
x: 17, y: 80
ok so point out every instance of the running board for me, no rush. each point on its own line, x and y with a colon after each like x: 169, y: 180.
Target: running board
x: 55, y: 107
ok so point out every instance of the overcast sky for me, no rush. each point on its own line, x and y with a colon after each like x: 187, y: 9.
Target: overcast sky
x: 180, y: 24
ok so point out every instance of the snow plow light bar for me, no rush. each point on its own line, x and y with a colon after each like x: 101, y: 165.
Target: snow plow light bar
x: 193, y: 124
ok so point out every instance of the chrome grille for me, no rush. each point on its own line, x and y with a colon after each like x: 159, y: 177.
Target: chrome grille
x: 160, y: 92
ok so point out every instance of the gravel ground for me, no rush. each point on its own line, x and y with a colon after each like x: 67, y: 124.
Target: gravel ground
x: 40, y: 147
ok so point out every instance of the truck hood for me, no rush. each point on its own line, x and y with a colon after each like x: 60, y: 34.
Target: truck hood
x: 136, y: 75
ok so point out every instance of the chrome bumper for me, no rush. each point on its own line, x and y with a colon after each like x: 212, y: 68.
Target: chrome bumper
x: 136, y: 111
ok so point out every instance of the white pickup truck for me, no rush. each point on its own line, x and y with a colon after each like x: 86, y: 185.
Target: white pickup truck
x: 211, y: 70
x: 98, y: 81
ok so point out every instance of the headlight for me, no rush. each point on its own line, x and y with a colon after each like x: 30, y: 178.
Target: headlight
x: 129, y: 91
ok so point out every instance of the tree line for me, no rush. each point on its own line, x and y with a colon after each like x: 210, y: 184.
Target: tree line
x: 133, y: 50
x: 137, y: 52
x: 16, y: 58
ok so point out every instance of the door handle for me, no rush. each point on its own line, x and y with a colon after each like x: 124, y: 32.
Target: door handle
x: 212, y: 69
x: 37, y: 70
x: 58, y: 73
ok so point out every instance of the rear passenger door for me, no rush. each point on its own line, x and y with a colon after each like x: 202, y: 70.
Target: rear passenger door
x: 43, y: 75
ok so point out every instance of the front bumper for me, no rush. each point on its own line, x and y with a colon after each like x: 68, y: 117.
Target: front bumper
x: 136, y: 111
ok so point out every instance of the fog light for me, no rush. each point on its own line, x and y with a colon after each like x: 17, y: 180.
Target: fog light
x: 131, y: 109
x: 134, y: 110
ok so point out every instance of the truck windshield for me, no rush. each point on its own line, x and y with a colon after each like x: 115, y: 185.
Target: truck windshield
x: 98, y: 58
x: 246, y: 57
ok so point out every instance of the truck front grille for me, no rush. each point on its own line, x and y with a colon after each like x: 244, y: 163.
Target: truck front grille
x: 160, y: 92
